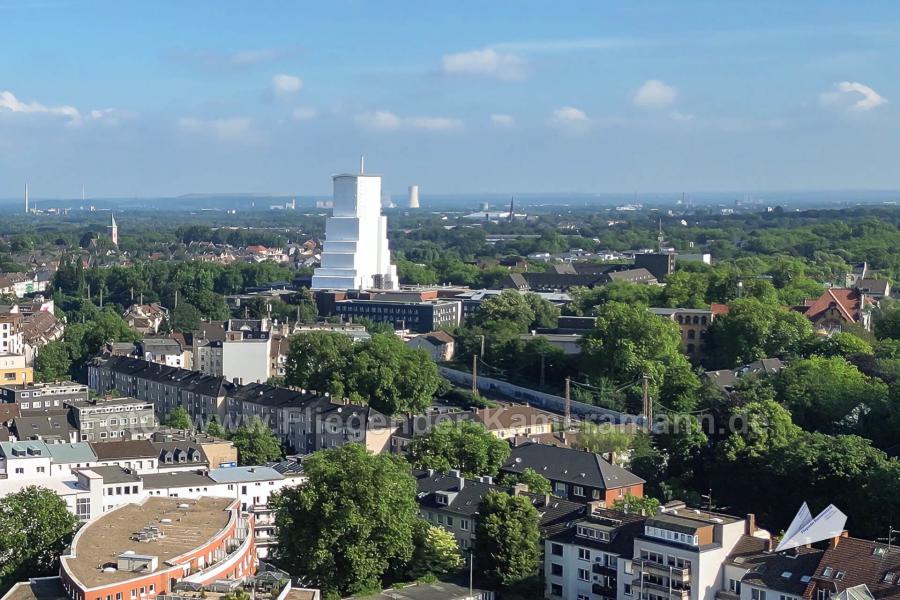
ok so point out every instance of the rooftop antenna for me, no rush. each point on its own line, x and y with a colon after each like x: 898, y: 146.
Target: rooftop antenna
x: 659, y: 236
x: 362, y: 164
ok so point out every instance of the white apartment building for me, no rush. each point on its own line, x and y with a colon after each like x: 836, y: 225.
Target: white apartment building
x: 245, y: 356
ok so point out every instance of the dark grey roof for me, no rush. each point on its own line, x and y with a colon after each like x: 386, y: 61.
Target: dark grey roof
x: 464, y: 500
x: 570, y: 466
x: 51, y: 423
x: 622, y: 527
x: 156, y: 481
x: 114, y: 474
x: 768, y: 569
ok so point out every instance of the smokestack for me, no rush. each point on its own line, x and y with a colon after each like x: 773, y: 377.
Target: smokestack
x: 26, y: 198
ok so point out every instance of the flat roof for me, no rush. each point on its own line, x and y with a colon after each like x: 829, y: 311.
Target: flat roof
x: 243, y: 474
x: 101, y: 542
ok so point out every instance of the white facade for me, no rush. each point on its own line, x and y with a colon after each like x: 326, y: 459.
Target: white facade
x: 246, y: 359
x: 356, y: 254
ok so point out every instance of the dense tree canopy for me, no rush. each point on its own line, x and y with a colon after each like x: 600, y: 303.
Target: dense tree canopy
x: 466, y: 446
x: 507, y: 549
x: 352, y: 520
x: 35, y: 527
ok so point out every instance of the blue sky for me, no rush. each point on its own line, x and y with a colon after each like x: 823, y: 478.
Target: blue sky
x: 166, y: 98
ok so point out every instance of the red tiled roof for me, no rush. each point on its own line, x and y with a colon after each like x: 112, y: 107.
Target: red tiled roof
x: 859, y: 564
x: 846, y: 300
x: 718, y: 309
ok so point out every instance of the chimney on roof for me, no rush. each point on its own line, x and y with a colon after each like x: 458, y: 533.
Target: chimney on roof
x: 833, y: 542
x: 595, y: 505
x: 519, y: 489
x: 460, y: 480
x: 751, y: 524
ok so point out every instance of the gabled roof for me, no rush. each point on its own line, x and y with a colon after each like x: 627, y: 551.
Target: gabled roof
x: 570, y: 466
x: 781, y: 571
x: 853, y: 562
x: 848, y: 301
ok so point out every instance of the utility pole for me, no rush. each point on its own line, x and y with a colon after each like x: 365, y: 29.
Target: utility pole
x: 648, y: 404
x: 471, y: 571
x: 482, y: 346
x: 101, y: 297
x: 475, y: 375
x: 567, y: 414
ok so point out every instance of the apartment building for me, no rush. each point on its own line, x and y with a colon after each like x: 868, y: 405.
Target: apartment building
x: 114, y: 418
x: 574, y: 474
x: 42, y: 396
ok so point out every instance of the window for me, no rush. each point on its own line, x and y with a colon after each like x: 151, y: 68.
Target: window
x: 821, y: 594
x: 828, y: 572
x: 584, y: 575
x: 583, y: 597
x: 556, y: 569
x: 556, y: 549
x: 584, y: 554
x: 627, y: 589
x: 757, y: 594
x: 83, y: 508
x: 556, y: 589
x: 20, y: 471
x: 464, y: 524
x: 578, y: 490
x: 734, y: 586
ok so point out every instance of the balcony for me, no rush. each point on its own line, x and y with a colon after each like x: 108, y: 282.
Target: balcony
x: 669, y: 591
x: 677, y: 574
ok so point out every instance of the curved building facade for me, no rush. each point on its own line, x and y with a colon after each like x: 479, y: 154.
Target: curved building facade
x: 140, y: 551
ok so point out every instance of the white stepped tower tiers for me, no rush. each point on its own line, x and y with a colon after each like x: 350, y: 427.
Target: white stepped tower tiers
x: 356, y: 253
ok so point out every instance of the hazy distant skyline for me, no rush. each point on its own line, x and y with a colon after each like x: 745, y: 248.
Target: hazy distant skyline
x: 163, y: 99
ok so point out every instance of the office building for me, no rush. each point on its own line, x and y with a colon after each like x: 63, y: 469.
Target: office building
x: 356, y: 254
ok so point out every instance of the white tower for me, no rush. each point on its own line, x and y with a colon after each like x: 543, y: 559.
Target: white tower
x: 26, y: 198
x: 414, y: 196
x: 356, y: 254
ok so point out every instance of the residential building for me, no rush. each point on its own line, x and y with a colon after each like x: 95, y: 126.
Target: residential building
x: 12, y: 340
x: 112, y: 418
x: 355, y: 254
x: 14, y: 369
x: 163, y: 350
x: 694, y: 324
x: 837, y: 307
x: 146, y: 318
x: 452, y: 501
x: 50, y: 425
x: 147, y: 548
x: 726, y: 379
x: 41, y: 396
x: 178, y: 446
x: 138, y: 455
x: 439, y: 345
x: 246, y: 356
x: 583, y: 561
x: 575, y: 474
x: 510, y: 421
x: 417, y: 316
x: 754, y: 572
x: 570, y: 343
x: 38, y: 330
x: 851, y: 564
x: 681, y: 553
x: 660, y: 264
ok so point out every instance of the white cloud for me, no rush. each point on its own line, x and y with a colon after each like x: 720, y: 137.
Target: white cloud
x: 501, y: 120
x: 570, y: 119
x: 385, y: 120
x: 283, y: 84
x: 304, y: 113
x: 853, y: 96
x: 485, y: 62
x: 9, y: 102
x: 655, y: 94
x: 228, y: 129
x: 217, y: 60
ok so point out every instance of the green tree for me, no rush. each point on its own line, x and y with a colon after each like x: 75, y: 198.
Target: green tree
x: 545, y: 313
x: 436, y: 551
x: 634, y: 505
x: 52, y: 362
x: 887, y: 321
x: 178, y: 418
x: 466, y: 446
x: 828, y: 394
x: 627, y: 344
x: 215, y: 429
x: 35, y: 527
x: 318, y: 360
x: 508, y: 308
x: 391, y: 377
x: 507, y: 539
x: 255, y: 443
x: 841, y: 344
x: 752, y: 330
x: 185, y: 317
x: 604, y: 437
x: 353, y: 518
x: 537, y: 483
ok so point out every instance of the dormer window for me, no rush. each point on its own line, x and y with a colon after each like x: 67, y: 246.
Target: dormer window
x: 442, y: 499
x: 828, y: 572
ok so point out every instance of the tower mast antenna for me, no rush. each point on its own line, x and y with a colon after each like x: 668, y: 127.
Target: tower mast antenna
x: 362, y: 164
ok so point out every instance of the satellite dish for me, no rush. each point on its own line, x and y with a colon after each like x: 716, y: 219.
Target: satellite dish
x: 805, y: 530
